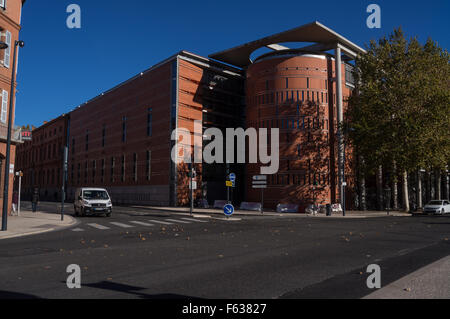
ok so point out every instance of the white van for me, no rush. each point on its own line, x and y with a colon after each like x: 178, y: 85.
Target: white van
x: 92, y: 201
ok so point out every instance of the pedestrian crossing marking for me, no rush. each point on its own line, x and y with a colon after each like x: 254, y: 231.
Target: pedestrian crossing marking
x: 194, y: 220
x: 121, y: 225
x: 142, y: 223
x: 159, y: 222
x: 101, y: 227
x: 77, y: 230
x: 178, y: 221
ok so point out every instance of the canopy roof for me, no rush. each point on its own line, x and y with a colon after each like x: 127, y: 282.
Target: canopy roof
x: 324, y: 39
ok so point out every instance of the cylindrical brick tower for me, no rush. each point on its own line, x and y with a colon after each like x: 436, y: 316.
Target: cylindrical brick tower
x: 294, y: 91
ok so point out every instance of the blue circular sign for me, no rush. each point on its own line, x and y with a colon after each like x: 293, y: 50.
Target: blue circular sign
x: 228, y: 209
x: 233, y: 177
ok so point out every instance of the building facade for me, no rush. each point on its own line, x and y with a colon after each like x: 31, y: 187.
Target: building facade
x: 10, y: 17
x: 122, y: 139
x: 294, y: 91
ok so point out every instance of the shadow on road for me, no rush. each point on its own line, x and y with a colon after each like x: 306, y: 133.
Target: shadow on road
x: 15, y: 295
x: 133, y: 290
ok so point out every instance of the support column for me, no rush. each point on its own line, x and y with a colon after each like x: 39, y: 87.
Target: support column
x: 340, y: 120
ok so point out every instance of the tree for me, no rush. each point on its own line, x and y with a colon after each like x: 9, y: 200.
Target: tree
x: 400, y: 110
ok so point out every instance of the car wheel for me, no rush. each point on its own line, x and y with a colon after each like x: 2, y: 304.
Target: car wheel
x: 108, y: 215
x: 443, y: 211
x: 82, y: 212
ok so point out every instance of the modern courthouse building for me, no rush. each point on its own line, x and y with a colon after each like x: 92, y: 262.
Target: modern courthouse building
x: 10, y: 19
x: 121, y: 139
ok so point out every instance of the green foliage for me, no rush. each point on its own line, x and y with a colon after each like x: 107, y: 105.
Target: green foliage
x: 401, y: 107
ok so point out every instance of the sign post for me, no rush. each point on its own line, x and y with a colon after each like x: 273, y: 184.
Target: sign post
x: 260, y: 182
x: 192, y: 187
x: 20, y: 174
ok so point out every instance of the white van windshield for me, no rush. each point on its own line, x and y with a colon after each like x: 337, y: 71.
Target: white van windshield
x: 89, y: 195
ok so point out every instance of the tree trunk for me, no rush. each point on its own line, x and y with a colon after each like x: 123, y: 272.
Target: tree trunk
x: 380, y: 188
x: 419, y: 190
x: 405, y: 192
x: 437, y: 179
x: 362, y: 186
x: 394, y: 186
x: 447, y: 186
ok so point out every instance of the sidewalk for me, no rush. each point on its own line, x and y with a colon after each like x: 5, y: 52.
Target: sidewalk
x: 429, y: 282
x: 362, y: 214
x: 204, y: 211
x: 29, y: 223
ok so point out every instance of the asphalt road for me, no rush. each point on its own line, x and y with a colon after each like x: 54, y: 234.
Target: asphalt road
x: 134, y: 255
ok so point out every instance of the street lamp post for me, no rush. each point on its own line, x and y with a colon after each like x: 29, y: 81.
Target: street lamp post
x: 8, y: 143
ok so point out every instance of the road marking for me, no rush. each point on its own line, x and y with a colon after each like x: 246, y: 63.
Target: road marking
x: 194, y: 220
x: 121, y: 225
x: 178, y: 221
x: 158, y: 222
x: 142, y: 223
x: 98, y: 226
x: 77, y: 230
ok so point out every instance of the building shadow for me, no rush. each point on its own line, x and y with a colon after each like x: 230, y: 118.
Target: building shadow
x: 136, y: 291
x: 9, y: 295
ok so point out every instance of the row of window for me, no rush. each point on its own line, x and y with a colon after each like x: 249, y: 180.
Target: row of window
x: 149, y: 132
x: 91, y: 169
x: 301, y: 123
x: 300, y: 179
x: 46, y: 152
x: 289, y: 96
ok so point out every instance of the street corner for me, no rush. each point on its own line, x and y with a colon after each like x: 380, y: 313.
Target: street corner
x: 29, y: 223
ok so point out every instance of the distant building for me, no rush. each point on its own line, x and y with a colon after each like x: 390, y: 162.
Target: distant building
x: 121, y: 139
x: 10, y: 15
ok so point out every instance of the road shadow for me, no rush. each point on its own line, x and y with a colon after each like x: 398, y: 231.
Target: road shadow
x: 9, y: 295
x: 136, y: 291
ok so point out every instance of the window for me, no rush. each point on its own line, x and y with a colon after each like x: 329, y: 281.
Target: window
x: 149, y: 122
x: 103, y: 135
x: 135, y: 177
x: 3, y: 4
x: 4, y: 106
x: 149, y: 165
x: 94, y: 168
x: 123, y: 168
x: 7, y: 58
x: 307, y: 83
x: 87, y: 140
x: 86, y: 169
x: 287, y: 83
x: 124, y: 129
x: 103, y: 170
x: 113, y: 164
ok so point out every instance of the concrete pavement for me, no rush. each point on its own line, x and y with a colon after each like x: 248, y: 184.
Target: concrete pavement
x: 29, y: 223
x: 429, y: 282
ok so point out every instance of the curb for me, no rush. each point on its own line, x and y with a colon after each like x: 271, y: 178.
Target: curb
x: 74, y: 223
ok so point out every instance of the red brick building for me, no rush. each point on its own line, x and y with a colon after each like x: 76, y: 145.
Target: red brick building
x: 10, y: 16
x: 41, y: 160
x: 121, y: 139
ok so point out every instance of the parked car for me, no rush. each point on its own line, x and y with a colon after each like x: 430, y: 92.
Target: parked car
x: 92, y: 201
x: 440, y: 207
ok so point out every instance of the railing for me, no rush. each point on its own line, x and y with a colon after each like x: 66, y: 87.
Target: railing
x: 16, y: 135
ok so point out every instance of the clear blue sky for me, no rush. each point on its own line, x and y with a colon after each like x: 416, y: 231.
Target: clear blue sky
x: 61, y: 68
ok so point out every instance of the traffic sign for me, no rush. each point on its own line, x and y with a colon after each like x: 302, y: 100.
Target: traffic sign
x: 193, y: 186
x: 228, y: 209
x: 229, y: 183
x: 259, y: 186
x: 232, y: 177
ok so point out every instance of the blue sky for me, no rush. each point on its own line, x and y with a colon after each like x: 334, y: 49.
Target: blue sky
x: 60, y: 68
